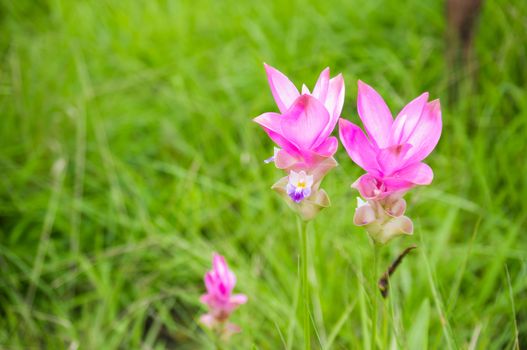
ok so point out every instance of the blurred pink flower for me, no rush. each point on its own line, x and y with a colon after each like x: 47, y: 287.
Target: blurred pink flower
x: 393, y: 150
x: 306, y: 120
x: 219, y: 299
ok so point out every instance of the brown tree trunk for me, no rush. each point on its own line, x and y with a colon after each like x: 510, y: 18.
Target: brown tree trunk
x: 461, y: 18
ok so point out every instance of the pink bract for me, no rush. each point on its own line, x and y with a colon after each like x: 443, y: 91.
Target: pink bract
x: 391, y: 151
x: 306, y: 120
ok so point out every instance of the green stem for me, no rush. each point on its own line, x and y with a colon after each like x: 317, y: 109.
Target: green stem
x: 385, y: 315
x: 302, y: 230
x: 218, y: 344
x: 374, y: 296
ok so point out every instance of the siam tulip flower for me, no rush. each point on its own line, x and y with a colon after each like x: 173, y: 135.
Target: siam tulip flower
x: 302, y: 130
x: 219, y: 299
x: 303, y: 127
x: 391, y: 152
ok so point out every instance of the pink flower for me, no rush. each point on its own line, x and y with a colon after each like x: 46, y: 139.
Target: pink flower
x: 303, y: 130
x: 306, y: 120
x: 393, y: 150
x: 219, y: 299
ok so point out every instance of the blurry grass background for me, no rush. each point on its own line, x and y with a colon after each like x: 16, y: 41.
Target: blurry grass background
x: 128, y: 155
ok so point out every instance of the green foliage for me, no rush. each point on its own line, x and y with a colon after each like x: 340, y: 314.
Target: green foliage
x: 128, y: 155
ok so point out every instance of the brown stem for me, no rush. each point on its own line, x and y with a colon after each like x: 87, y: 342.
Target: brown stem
x: 384, y: 281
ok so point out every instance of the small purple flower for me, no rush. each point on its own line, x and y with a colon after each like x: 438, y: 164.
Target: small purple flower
x: 299, y: 185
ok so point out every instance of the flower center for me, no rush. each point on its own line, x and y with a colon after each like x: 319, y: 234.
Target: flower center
x: 299, y: 185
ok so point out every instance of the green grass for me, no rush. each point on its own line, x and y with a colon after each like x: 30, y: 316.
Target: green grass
x: 128, y: 155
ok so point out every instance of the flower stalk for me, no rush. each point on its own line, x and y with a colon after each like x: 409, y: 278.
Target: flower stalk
x: 374, y: 296
x: 302, y: 231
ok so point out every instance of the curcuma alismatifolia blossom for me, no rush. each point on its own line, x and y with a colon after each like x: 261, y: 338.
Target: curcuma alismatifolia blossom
x: 219, y: 299
x: 391, y: 153
x: 302, y: 130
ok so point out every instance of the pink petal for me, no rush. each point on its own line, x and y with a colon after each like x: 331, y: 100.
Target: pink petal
x: 369, y: 187
x: 320, y: 166
x: 285, y: 160
x: 401, y: 225
x: 335, y: 99
x: 395, y: 207
x: 407, y: 119
x: 328, y: 147
x: 231, y: 281
x: 392, y: 158
x: 399, y: 186
x: 208, y: 321
x: 284, y: 91
x: 374, y: 114
x: 205, y: 299
x: 364, y: 215
x: 426, y: 134
x: 417, y: 173
x: 304, y: 123
x: 209, y: 282
x: 283, y: 142
x: 222, y: 270
x: 321, y: 87
x: 219, y: 265
x: 271, y: 122
x: 238, y: 299
x: 359, y: 148
x: 411, y: 176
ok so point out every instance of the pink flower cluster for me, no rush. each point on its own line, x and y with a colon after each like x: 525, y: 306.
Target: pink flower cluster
x: 220, y: 282
x: 391, y: 151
